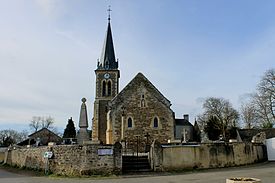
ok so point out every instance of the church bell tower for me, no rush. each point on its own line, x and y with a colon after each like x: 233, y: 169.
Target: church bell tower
x: 107, y: 86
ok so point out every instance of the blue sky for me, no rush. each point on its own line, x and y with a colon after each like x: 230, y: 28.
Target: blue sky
x: 189, y: 50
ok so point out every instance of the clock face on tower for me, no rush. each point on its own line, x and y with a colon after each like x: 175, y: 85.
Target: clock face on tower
x: 106, y: 75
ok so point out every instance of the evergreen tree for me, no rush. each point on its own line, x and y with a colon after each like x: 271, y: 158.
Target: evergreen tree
x: 69, y: 131
x: 231, y: 133
x: 213, y: 128
x: 196, y: 132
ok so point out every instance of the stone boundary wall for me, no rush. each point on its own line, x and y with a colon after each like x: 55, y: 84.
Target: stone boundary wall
x: 26, y: 157
x: 203, y: 156
x: 2, y: 153
x: 71, y: 160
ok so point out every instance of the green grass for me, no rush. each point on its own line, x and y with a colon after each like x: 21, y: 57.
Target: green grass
x: 22, y: 170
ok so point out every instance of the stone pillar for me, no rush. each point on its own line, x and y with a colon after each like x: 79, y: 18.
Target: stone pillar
x: 83, y: 134
x: 122, y: 127
x: 95, y: 136
x: 109, y: 131
x: 156, y: 156
x: 117, y: 158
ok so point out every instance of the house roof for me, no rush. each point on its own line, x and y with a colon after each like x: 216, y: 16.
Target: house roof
x: 247, y: 134
x: 27, y: 141
x: 182, y: 122
x: 43, y: 129
x: 30, y: 140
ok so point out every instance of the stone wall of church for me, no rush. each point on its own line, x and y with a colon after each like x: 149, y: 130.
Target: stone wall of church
x: 141, y: 105
x: 101, y: 101
x: 215, y: 155
x: 70, y: 159
x: 102, y: 120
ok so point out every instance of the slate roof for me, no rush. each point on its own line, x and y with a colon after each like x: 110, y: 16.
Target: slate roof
x: 108, y: 59
x: 247, y: 134
x: 40, y: 134
x: 26, y: 142
x: 41, y: 130
x: 182, y: 122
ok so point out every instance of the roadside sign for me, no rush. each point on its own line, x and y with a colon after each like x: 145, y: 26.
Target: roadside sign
x: 48, y: 154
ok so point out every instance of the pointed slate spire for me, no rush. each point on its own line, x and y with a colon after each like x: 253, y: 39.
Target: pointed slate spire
x: 83, y: 119
x: 108, y: 59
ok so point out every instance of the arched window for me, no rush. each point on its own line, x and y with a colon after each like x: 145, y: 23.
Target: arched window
x: 156, y: 122
x: 103, y: 88
x: 142, y: 102
x: 130, y: 123
x: 109, y: 88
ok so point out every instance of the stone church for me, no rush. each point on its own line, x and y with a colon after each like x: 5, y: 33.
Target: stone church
x: 138, y: 113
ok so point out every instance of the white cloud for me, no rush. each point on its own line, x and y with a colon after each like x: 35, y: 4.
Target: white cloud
x: 47, y: 6
x: 51, y: 8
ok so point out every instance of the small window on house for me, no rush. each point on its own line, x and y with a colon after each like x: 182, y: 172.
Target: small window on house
x: 130, y: 123
x: 109, y: 88
x: 156, y: 122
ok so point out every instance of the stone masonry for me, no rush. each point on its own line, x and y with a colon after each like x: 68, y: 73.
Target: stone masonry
x: 203, y: 156
x: 70, y: 159
x: 83, y: 134
x: 143, y: 103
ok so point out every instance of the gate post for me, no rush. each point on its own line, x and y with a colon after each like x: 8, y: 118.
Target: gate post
x: 156, y: 156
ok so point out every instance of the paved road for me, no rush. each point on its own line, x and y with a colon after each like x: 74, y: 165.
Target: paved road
x: 266, y: 172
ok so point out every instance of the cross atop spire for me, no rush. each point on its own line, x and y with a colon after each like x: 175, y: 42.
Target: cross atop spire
x: 109, y: 13
x: 108, y: 59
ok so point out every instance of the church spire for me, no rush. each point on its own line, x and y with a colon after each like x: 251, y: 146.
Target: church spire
x: 108, y: 59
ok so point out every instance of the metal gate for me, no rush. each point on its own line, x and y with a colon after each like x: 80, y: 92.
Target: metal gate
x: 133, y: 159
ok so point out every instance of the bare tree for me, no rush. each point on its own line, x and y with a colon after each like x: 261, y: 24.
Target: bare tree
x: 264, y: 100
x: 39, y: 122
x: 35, y: 123
x: 249, y: 116
x: 266, y: 93
x: 202, y: 120
x: 10, y: 137
x: 47, y: 122
x: 220, y: 109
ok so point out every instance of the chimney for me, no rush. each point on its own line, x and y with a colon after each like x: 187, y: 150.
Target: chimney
x: 186, y: 117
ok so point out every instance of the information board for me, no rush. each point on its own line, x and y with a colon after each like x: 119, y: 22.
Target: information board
x: 103, y: 152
